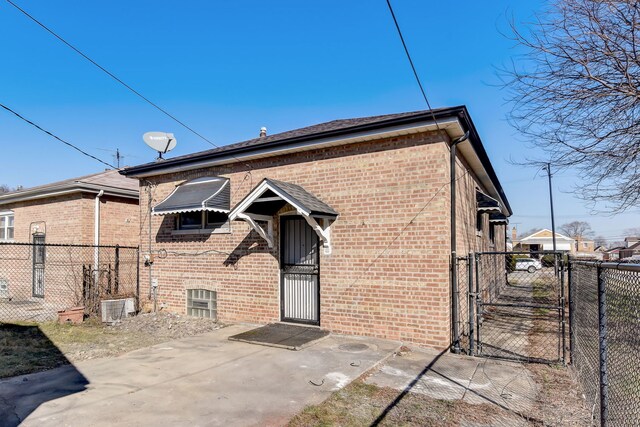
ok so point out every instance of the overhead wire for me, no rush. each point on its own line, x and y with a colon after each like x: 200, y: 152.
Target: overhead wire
x: 51, y: 134
x: 413, y: 67
x: 119, y: 80
x: 113, y: 76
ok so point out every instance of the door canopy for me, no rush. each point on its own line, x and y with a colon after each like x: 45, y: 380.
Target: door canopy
x: 264, y: 201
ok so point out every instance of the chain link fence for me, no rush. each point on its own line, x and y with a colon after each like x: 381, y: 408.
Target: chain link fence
x: 605, y: 338
x: 510, y: 306
x: 37, y: 280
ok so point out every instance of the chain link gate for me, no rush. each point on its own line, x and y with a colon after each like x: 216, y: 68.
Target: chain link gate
x: 511, y: 306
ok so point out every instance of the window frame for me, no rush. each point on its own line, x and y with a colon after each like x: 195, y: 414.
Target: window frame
x: 204, y: 227
x: 479, y: 222
x: 5, y: 218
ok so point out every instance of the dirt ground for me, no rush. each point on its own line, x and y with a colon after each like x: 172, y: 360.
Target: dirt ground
x: 558, y: 403
x: 32, y: 347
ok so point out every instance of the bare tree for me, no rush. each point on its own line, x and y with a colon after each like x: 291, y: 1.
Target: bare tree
x: 577, y: 229
x: 4, y: 188
x: 576, y: 94
x: 528, y: 232
x: 600, y: 241
x: 632, y: 232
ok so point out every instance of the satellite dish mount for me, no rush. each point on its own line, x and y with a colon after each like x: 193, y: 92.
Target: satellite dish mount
x: 161, y: 142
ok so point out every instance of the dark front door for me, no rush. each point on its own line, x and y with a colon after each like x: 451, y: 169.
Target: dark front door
x: 39, y: 256
x: 300, y: 272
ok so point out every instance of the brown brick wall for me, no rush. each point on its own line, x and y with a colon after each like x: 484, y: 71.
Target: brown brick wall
x: 69, y: 219
x: 388, y: 273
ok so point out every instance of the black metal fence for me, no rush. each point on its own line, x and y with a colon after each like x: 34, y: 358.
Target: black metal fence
x: 37, y: 279
x: 604, y: 301
x: 510, y: 305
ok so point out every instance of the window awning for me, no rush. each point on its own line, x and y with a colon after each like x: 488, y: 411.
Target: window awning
x: 264, y: 201
x: 200, y: 194
x: 487, y: 203
x: 498, y: 218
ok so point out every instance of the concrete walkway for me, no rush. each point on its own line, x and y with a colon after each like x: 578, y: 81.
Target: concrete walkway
x: 198, y: 381
x: 446, y: 376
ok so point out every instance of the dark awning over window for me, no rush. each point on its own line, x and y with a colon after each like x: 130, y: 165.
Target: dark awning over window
x: 487, y: 203
x: 200, y: 194
x: 498, y: 218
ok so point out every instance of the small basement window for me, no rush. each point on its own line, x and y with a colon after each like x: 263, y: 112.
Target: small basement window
x: 202, y: 303
x: 203, y: 220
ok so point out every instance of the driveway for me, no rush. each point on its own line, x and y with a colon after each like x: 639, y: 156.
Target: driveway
x: 199, y: 381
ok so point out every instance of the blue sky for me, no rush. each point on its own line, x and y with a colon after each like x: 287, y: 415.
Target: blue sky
x: 228, y: 68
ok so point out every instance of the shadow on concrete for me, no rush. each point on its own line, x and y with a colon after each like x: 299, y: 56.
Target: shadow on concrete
x: 26, y: 349
x: 430, y: 368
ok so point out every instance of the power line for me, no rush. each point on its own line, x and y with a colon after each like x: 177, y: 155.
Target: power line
x: 413, y: 67
x: 113, y: 76
x: 56, y: 137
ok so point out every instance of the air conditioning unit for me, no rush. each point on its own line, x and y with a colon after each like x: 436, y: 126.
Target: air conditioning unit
x: 114, y: 310
x: 4, y: 289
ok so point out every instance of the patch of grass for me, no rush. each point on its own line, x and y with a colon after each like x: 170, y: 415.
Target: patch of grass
x: 32, y: 347
x: 361, y: 404
x: 25, y: 348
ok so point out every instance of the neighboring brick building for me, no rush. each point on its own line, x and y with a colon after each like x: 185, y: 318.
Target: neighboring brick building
x: 65, y: 211
x: 37, y: 280
x: 345, y: 224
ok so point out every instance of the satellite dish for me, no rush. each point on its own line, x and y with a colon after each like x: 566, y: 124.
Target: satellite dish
x: 162, y: 142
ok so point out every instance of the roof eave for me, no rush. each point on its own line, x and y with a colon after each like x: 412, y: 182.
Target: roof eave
x: 42, y: 193
x: 459, y: 114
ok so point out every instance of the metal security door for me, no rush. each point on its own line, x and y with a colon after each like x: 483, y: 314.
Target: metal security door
x: 39, y: 255
x: 300, y: 272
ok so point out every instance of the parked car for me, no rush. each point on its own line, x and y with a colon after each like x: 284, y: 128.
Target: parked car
x: 528, y: 264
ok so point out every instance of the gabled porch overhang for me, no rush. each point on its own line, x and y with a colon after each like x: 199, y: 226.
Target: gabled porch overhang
x: 270, y: 196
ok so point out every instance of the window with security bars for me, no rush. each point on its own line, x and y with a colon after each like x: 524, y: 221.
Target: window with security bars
x: 202, y: 303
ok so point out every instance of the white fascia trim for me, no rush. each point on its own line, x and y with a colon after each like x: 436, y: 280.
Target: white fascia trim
x: 452, y: 125
x: 177, y: 211
x: 259, y: 191
x: 490, y: 210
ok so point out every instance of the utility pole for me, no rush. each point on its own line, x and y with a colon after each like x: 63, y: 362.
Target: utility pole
x: 553, y: 222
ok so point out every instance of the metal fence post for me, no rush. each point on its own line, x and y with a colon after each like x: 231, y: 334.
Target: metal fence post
x: 478, y: 303
x: 116, y: 273
x: 563, y: 331
x: 602, y: 339
x: 471, y: 308
x: 455, y: 300
x: 571, y: 310
x: 138, y: 278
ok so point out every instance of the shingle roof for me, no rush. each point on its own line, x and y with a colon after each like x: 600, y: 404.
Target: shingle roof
x: 313, y: 130
x: 110, y: 180
x: 306, y: 199
x: 331, y: 129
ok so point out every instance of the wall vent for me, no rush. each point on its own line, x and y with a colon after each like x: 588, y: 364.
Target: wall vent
x: 114, y: 310
x: 202, y: 303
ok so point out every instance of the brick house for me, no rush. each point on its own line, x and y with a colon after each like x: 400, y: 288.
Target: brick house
x: 65, y: 212
x: 348, y: 225
x: 37, y: 280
